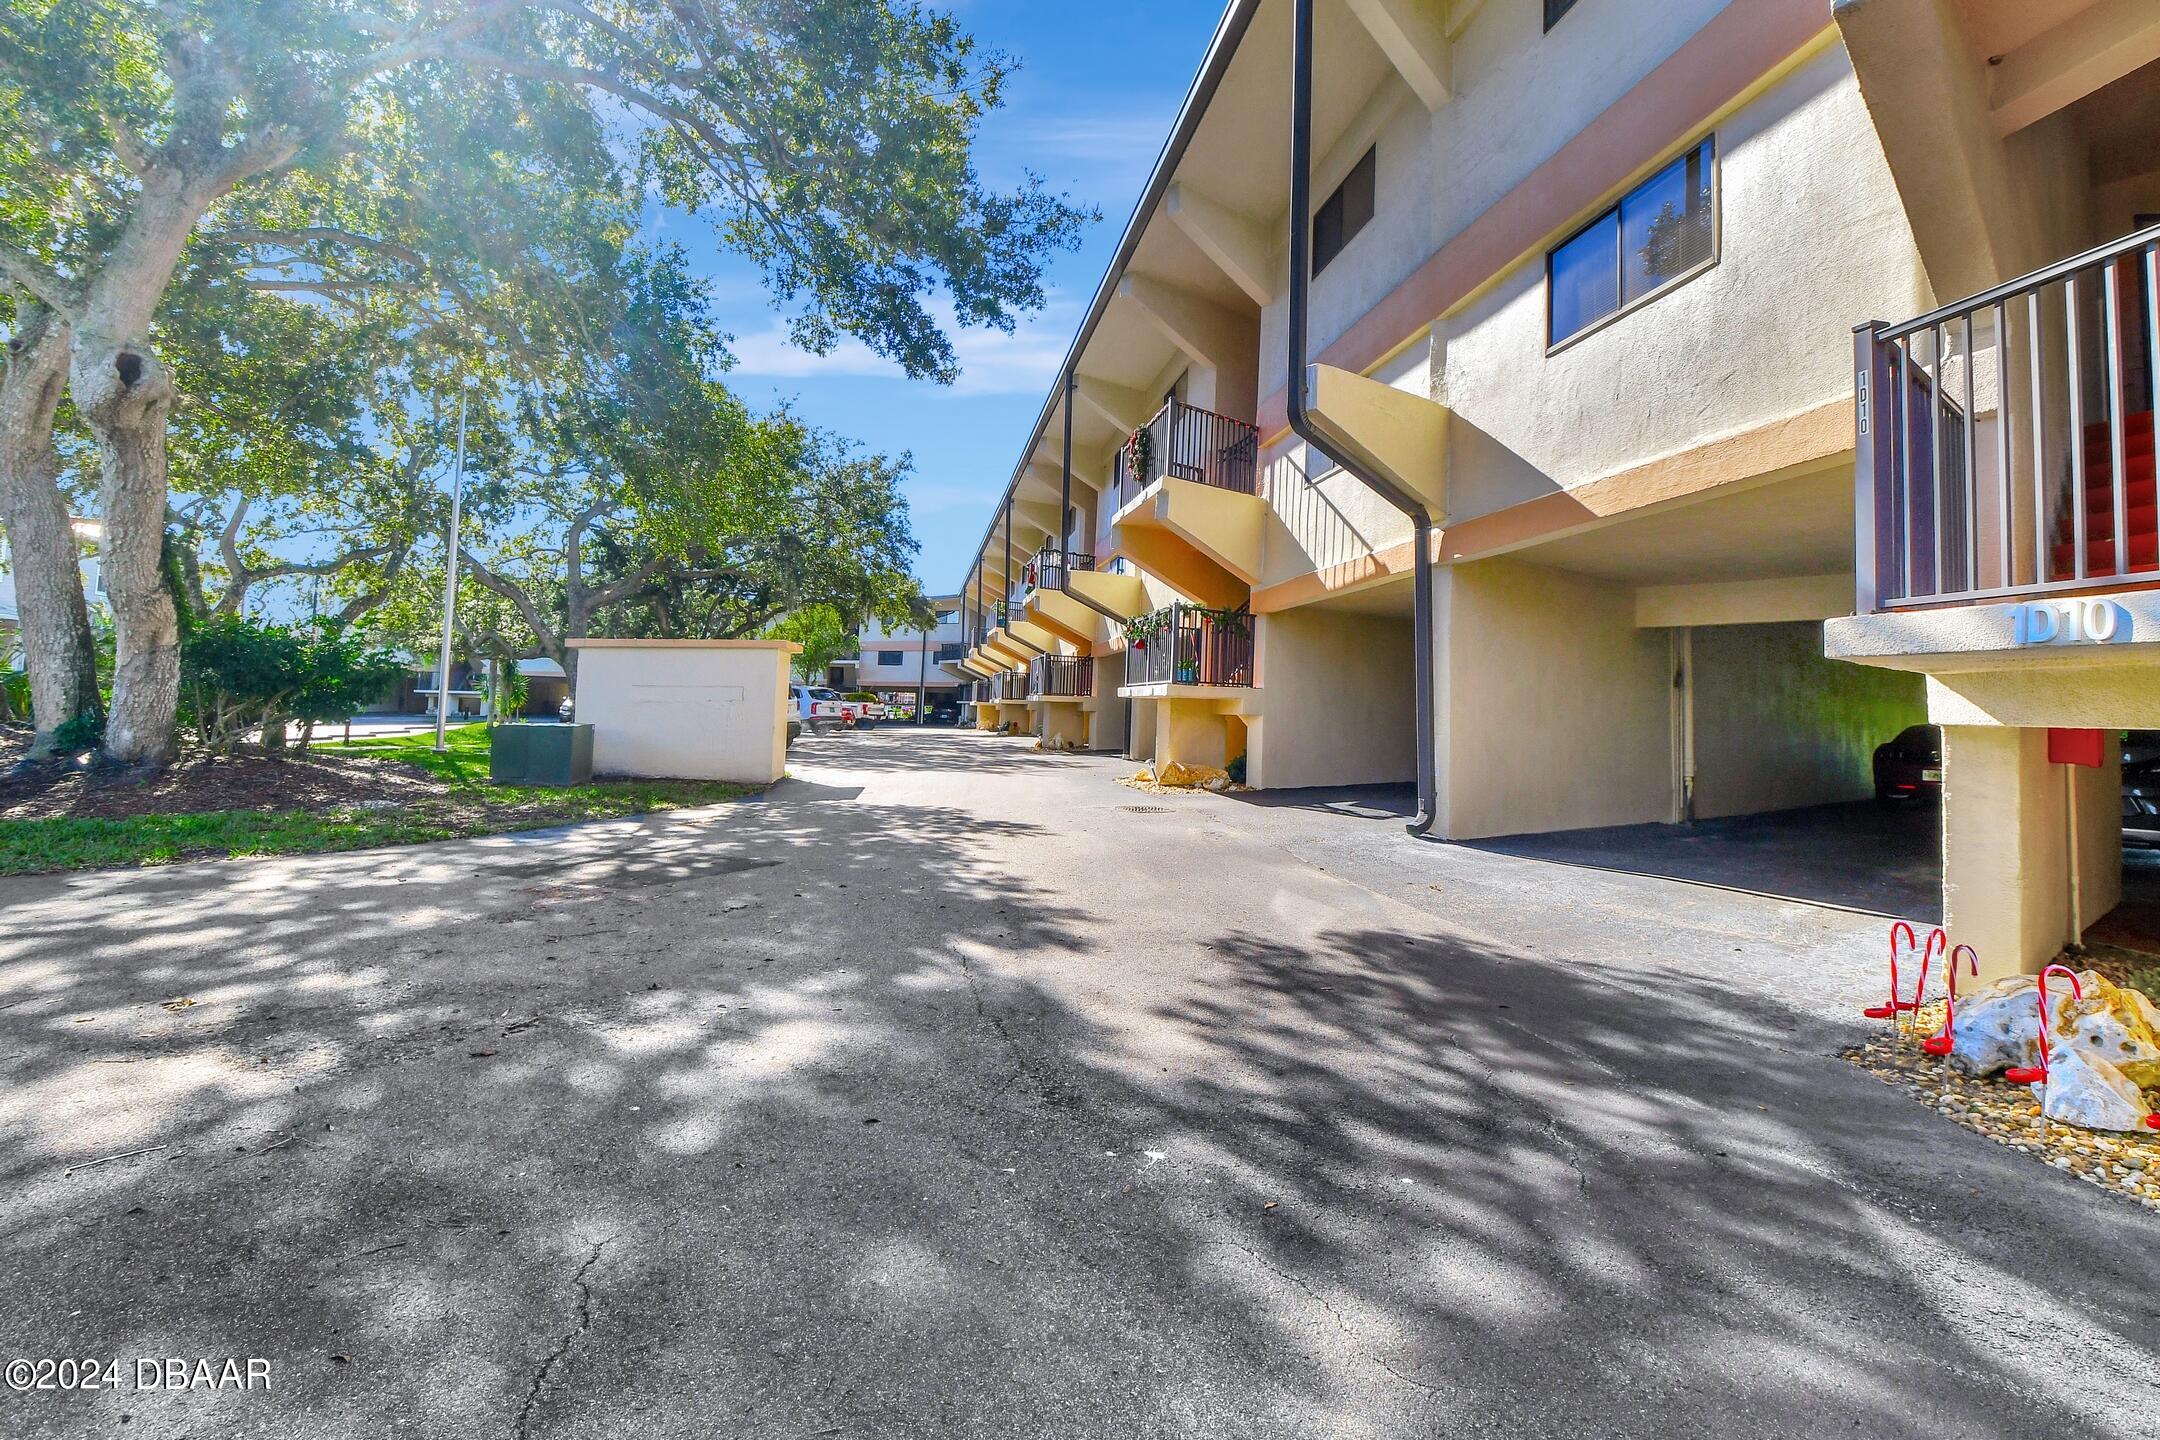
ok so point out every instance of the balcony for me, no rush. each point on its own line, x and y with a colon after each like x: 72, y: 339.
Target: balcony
x: 1190, y: 645
x: 1047, y: 571
x: 1184, y: 442
x: 1189, y: 510
x: 1061, y: 677
x: 2006, y: 442
x: 1044, y: 584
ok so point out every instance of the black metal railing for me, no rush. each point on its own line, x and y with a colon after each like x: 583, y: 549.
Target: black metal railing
x: 1063, y: 675
x: 1010, y: 685
x: 1185, y: 442
x: 1189, y: 645
x: 2006, y: 441
x: 1047, y: 571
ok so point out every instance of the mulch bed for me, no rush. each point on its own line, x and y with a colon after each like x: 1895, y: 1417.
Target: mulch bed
x: 197, y: 783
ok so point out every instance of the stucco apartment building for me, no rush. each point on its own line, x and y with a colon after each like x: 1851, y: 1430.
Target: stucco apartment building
x: 898, y: 662
x: 1530, y: 463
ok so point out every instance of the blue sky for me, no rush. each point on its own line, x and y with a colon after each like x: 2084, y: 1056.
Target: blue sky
x: 1098, y: 86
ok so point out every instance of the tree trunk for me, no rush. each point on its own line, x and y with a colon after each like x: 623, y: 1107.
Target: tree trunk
x: 59, y: 653
x: 124, y: 395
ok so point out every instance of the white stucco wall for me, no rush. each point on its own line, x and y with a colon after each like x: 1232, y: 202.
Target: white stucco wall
x: 1519, y: 94
x: 1813, y: 240
x: 687, y: 709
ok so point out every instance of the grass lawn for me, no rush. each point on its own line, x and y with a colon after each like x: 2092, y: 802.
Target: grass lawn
x: 461, y: 801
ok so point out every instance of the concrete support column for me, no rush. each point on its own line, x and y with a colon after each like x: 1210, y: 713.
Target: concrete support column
x: 1192, y: 733
x: 2007, y: 844
x: 1065, y: 724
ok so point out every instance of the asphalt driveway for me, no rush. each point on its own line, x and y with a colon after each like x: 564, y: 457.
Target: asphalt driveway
x: 954, y: 1089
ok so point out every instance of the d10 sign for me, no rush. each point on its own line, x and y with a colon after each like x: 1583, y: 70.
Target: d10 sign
x: 2069, y: 622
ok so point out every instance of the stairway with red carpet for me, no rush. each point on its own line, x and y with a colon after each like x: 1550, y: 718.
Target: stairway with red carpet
x: 2099, y: 500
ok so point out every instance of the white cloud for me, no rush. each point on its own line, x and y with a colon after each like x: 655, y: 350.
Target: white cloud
x: 991, y: 362
x: 1123, y: 137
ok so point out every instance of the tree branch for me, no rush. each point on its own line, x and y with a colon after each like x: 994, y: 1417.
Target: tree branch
x: 495, y: 584
x: 41, y: 281
x: 436, y: 44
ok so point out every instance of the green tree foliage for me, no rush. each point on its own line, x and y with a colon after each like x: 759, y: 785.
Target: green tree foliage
x: 822, y: 634
x: 355, y: 153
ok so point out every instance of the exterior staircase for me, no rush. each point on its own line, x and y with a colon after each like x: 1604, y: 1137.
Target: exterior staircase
x: 2140, y: 496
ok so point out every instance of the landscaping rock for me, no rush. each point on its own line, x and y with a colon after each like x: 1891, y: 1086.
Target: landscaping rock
x: 1179, y: 776
x: 1997, y: 1027
x: 2115, y: 1023
x: 2083, y: 1089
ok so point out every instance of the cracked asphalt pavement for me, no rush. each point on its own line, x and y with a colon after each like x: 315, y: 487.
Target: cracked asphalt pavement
x: 952, y: 1089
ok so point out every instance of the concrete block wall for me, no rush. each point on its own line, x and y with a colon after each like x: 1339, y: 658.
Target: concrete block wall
x: 1778, y: 726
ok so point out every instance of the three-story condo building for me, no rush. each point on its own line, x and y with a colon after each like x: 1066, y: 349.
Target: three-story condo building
x: 1473, y: 401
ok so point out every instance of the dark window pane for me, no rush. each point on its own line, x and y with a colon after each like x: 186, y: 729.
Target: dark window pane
x: 1357, y: 195
x: 889, y: 658
x: 1583, y: 277
x: 1327, y: 232
x: 1665, y: 225
x: 1345, y: 212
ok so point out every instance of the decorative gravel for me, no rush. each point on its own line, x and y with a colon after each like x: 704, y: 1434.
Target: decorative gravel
x: 2126, y: 1163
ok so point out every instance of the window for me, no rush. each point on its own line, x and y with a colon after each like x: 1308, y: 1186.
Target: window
x: 948, y: 617
x: 1344, y: 213
x: 1661, y: 232
x: 890, y: 659
x: 1554, y: 9
x: 950, y: 652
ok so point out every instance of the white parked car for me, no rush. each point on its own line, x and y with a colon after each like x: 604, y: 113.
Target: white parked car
x: 818, y: 708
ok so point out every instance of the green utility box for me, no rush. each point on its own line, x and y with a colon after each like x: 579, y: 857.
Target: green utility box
x: 540, y: 754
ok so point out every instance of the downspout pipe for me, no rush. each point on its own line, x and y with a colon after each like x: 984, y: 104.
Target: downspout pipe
x: 1299, y: 386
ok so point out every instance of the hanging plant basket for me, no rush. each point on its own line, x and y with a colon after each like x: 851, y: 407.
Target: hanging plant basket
x: 1139, y: 454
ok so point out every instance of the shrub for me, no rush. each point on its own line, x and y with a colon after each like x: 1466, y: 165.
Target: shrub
x: 238, y: 675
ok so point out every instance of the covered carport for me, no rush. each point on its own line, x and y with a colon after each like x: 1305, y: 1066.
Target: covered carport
x: 1854, y: 856
x: 1649, y: 693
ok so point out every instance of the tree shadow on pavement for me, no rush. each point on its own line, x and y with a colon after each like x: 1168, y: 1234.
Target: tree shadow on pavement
x: 821, y: 1116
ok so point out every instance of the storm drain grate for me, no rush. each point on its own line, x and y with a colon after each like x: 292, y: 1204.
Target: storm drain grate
x: 1145, y: 809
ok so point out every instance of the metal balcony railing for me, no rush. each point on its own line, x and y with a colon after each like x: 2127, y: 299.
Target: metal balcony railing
x: 1047, y: 571
x: 1010, y: 685
x: 1187, y: 645
x: 1063, y: 675
x: 1188, y: 443
x: 2005, y: 441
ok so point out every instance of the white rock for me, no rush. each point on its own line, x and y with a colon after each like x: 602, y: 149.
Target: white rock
x: 2083, y: 1089
x: 1997, y: 1027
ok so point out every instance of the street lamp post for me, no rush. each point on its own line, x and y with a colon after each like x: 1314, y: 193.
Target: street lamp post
x: 922, y: 679
x: 449, y: 588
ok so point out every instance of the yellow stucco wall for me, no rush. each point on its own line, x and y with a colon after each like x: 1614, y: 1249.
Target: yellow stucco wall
x: 1555, y: 710
x: 1338, y: 700
x: 1777, y: 725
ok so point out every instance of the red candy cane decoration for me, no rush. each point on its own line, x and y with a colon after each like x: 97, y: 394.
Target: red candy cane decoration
x: 1942, y: 1044
x: 2037, y: 1074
